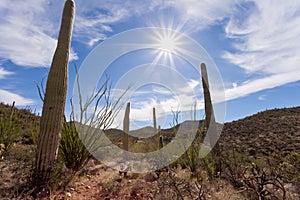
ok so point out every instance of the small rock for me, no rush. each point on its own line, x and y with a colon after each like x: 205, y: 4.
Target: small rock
x: 118, y: 179
x: 2, y: 149
x: 150, y: 177
x: 72, y: 189
x: 88, y: 187
x: 68, y: 194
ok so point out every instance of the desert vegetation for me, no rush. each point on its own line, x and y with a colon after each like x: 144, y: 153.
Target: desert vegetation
x: 45, y: 157
x: 245, y: 174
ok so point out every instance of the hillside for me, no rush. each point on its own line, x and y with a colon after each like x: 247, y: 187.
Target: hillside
x: 272, y: 131
x: 25, y: 121
x: 266, y: 134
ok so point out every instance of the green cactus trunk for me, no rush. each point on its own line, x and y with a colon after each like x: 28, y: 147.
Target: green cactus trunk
x: 210, y: 122
x: 160, y: 138
x: 54, y: 102
x: 126, y: 127
x: 154, y: 120
x: 209, y: 111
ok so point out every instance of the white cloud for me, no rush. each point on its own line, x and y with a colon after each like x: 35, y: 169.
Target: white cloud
x: 4, y: 73
x: 28, y: 32
x: 262, y: 97
x: 261, y: 84
x: 234, y: 85
x: 29, y: 28
x: 193, y: 83
x: 266, y: 41
x: 201, y: 14
x: 94, y: 20
x: 9, y: 97
x: 265, y: 34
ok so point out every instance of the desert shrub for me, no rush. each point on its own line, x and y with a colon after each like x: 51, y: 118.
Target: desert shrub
x: 71, y: 149
x: 145, y: 145
x: 232, y: 166
x: 96, y: 113
x: 34, y: 132
x: 291, y: 167
x: 10, y: 128
x: 209, y: 164
x: 258, y: 178
x: 190, y: 159
x: 263, y: 182
x: 170, y: 186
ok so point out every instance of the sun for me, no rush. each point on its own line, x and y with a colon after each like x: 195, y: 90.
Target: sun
x: 167, y: 44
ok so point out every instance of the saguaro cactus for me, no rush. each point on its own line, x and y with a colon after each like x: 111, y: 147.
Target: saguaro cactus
x: 160, y: 138
x: 154, y: 120
x: 54, y: 103
x: 209, y: 111
x: 126, y: 127
x: 210, y: 122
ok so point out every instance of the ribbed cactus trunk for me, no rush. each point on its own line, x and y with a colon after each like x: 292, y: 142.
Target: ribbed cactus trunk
x: 210, y: 122
x: 209, y: 111
x: 54, y: 102
x: 154, y: 120
x: 126, y: 127
x: 160, y: 138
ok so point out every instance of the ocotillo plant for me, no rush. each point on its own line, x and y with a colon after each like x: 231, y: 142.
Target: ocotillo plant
x: 54, y: 104
x: 126, y: 127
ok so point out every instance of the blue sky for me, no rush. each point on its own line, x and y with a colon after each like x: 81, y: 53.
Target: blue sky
x: 255, y: 45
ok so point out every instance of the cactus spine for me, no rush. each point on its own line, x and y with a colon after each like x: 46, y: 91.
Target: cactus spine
x: 54, y: 102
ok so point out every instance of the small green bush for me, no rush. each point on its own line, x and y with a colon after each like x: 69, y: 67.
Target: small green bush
x: 71, y: 149
x: 10, y: 128
x: 190, y: 159
x: 291, y: 167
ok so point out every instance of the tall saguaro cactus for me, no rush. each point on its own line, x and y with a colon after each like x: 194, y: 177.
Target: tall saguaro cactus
x: 54, y: 102
x: 209, y: 111
x: 210, y: 122
x: 126, y: 127
x: 154, y: 120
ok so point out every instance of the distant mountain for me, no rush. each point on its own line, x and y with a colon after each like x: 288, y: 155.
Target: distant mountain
x: 272, y: 131
x: 143, y: 132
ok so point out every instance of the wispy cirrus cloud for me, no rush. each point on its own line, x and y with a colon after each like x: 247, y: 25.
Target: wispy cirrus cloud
x: 264, y: 34
x: 202, y: 14
x: 267, y: 43
x: 9, y: 97
x: 28, y: 32
x: 94, y: 20
x: 4, y: 73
